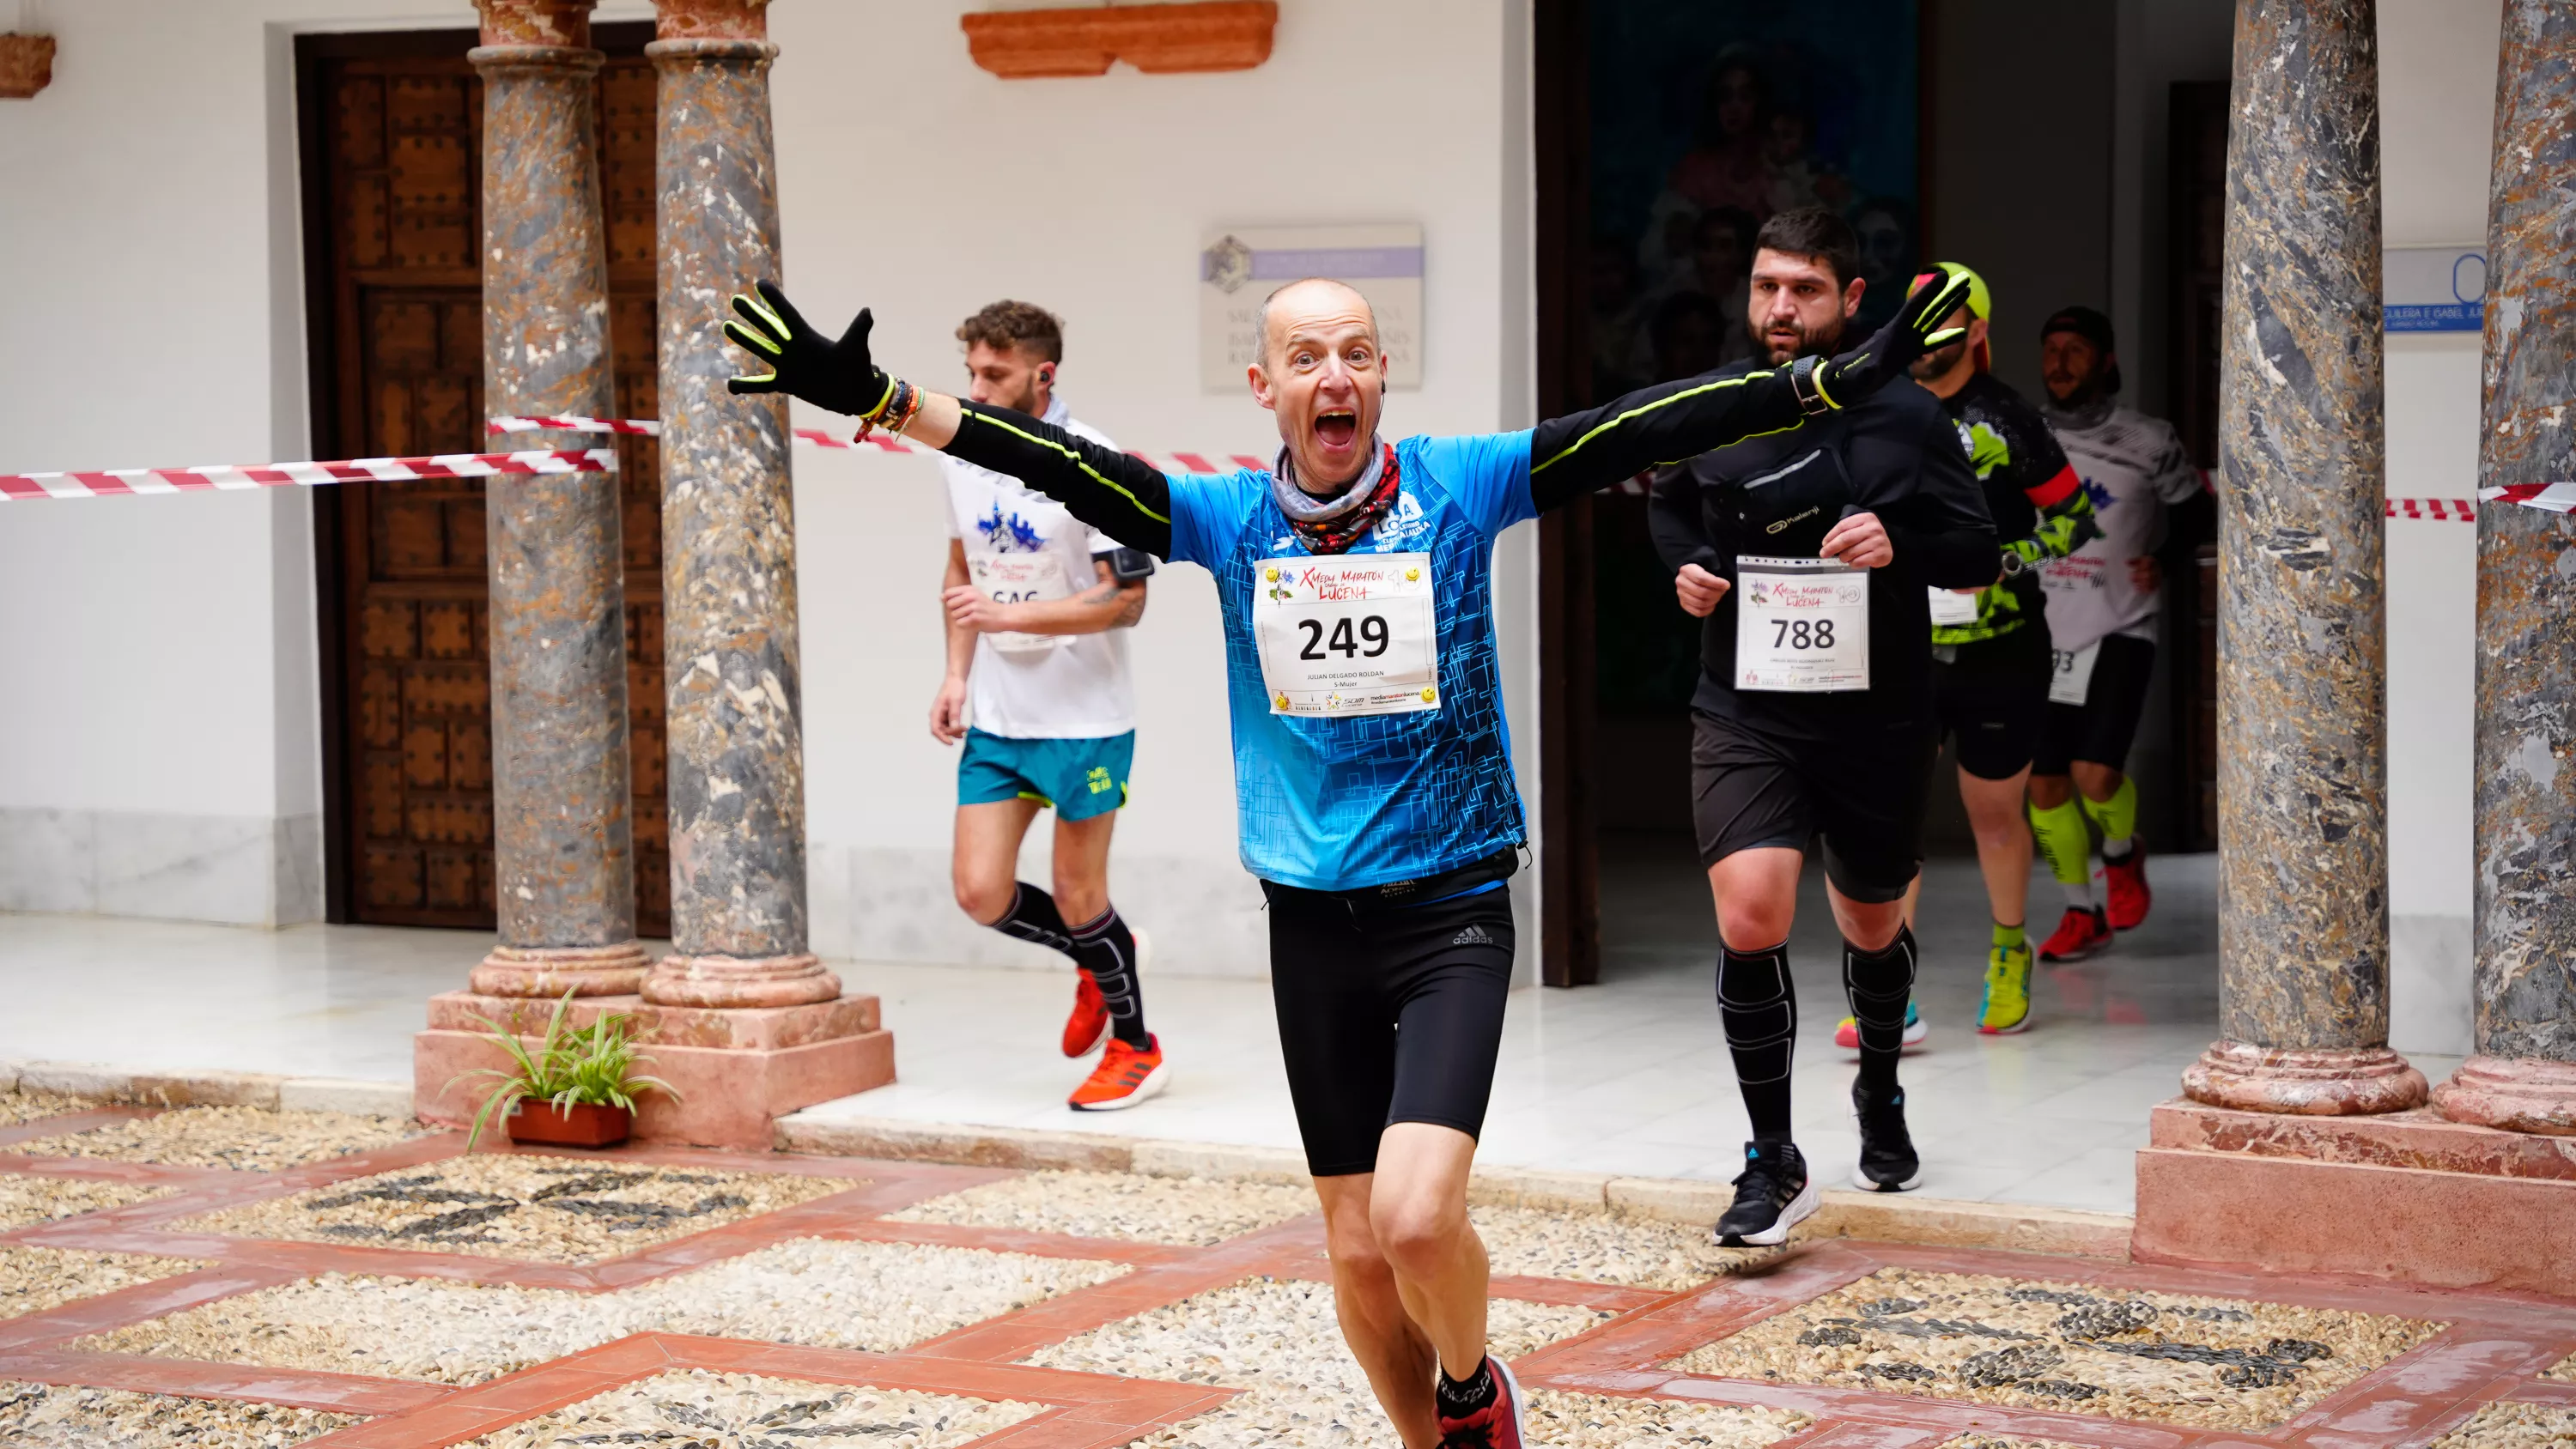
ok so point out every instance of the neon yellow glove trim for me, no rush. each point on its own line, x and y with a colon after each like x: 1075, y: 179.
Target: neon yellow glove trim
x: 776, y: 323
x: 744, y: 337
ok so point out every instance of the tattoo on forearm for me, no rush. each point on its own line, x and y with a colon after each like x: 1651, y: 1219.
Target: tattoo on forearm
x: 1108, y: 596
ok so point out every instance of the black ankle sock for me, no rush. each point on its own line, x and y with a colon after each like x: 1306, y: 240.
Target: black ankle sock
x: 1879, y: 984
x: 1759, y: 1009
x: 1034, y: 918
x: 1107, y: 949
x: 1459, y: 1399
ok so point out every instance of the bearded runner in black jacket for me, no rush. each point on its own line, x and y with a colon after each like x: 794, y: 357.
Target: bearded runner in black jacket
x: 1799, y: 728
x: 1373, y: 777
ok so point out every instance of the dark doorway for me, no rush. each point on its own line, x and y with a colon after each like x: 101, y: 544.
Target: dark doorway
x: 392, y: 167
x: 1668, y: 130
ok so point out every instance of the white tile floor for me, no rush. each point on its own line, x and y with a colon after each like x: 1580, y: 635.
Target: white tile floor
x: 1630, y: 1076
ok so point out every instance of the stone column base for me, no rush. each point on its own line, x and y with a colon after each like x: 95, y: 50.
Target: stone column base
x: 550, y: 971
x: 736, y: 1071
x: 736, y: 982
x: 2311, y: 1082
x: 2518, y: 1094
x: 2405, y: 1196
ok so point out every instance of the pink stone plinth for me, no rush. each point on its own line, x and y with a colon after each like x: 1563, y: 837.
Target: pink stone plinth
x: 2317, y: 1082
x: 550, y: 971
x: 2420, y: 1138
x: 736, y: 1071
x: 2407, y: 1196
x: 734, y: 982
x: 2518, y: 1094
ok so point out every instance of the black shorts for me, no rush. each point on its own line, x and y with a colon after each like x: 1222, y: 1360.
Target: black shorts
x: 1865, y: 797
x: 1345, y: 978
x: 2099, y: 730
x: 1994, y: 696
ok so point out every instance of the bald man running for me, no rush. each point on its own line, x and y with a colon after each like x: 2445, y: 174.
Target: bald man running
x: 1372, y: 772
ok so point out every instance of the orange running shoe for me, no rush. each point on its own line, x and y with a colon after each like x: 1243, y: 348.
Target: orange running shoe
x: 1126, y: 1076
x: 2125, y: 896
x: 1090, y: 1020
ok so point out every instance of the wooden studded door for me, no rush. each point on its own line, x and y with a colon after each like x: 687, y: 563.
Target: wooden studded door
x: 392, y: 168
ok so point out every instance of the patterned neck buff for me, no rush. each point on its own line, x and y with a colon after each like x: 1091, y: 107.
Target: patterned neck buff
x: 1333, y: 526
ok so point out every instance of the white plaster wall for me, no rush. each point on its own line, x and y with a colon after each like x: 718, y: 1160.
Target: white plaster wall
x: 162, y: 754
x: 2437, y: 74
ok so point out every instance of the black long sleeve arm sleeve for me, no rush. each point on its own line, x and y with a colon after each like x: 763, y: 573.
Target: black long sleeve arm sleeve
x: 1666, y: 423
x: 1919, y: 482
x: 1673, y: 522
x: 1126, y: 498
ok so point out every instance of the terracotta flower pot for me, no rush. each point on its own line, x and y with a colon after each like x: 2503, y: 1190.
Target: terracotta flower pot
x: 581, y: 1125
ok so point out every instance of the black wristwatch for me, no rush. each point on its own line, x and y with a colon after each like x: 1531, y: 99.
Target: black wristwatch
x: 1802, y: 384
x: 2015, y: 565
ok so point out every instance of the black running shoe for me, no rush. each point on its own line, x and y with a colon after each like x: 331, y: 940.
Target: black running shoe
x: 1772, y: 1195
x: 1887, y: 1160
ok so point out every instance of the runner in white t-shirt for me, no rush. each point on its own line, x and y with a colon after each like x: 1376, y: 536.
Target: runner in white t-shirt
x: 2102, y: 605
x: 1038, y: 688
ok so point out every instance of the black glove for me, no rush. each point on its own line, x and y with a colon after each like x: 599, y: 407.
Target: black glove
x: 802, y: 361
x: 1914, y: 330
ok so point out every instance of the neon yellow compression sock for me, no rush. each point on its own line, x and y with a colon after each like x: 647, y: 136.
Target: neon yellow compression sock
x: 2009, y: 937
x: 2068, y: 847
x: 2118, y: 818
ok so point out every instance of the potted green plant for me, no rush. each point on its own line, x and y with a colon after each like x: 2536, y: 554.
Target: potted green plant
x: 576, y: 1088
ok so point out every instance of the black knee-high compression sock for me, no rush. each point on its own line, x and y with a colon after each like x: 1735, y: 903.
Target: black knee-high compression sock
x: 1107, y: 949
x: 1759, y: 1009
x: 1034, y: 918
x: 1879, y: 984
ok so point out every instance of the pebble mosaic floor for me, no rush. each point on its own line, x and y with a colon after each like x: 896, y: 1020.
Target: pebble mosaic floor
x: 225, y: 1278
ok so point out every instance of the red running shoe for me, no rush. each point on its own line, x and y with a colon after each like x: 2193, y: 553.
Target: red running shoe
x: 1090, y: 1020
x: 2080, y: 933
x: 1495, y: 1426
x: 2124, y: 888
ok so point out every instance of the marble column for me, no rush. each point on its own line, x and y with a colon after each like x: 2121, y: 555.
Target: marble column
x: 2303, y: 797
x: 564, y: 870
x: 2523, y: 1076
x: 737, y: 766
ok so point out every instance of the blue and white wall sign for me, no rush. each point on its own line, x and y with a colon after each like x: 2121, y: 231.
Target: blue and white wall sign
x: 1238, y: 266
x: 2434, y: 289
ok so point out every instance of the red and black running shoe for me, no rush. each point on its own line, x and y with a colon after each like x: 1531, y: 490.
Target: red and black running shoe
x: 2080, y: 933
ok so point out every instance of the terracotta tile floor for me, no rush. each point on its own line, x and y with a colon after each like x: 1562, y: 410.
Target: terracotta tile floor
x: 2408, y: 1366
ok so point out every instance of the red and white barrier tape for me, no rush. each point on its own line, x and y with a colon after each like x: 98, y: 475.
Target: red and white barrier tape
x: 2555, y: 497
x: 647, y: 427
x: 2452, y: 508
x: 113, y: 481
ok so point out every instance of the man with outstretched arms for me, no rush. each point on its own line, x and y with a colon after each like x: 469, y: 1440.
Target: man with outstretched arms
x: 1810, y: 554
x: 1038, y: 603
x: 2102, y: 606
x: 1990, y: 655
x: 1373, y: 776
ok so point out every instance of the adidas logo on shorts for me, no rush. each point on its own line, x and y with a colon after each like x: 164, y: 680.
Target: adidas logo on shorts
x: 1474, y: 935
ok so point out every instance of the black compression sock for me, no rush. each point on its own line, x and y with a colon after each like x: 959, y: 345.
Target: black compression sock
x: 1759, y: 1009
x: 1107, y: 949
x: 1459, y: 1399
x: 1034, y: 918
x: 1879, y: 984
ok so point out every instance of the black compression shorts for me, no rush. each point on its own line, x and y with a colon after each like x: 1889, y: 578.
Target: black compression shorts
x: 1346, y: 978
x: 1993, y: 695
x: 1865, y: 797
x: 2099, y: 730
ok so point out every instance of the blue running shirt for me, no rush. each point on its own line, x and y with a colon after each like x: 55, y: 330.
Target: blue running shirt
x: 1342, y: 803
